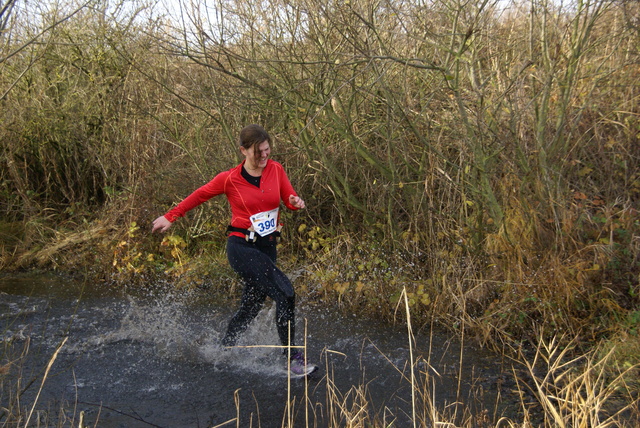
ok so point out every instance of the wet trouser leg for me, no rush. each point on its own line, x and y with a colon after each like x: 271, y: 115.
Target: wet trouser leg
x: 257, y: 267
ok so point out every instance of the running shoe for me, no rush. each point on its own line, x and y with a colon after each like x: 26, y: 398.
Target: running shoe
x: 299, y: 366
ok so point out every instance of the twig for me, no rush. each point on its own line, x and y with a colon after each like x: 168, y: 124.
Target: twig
x: 44, y: 378
x: 120, y: 412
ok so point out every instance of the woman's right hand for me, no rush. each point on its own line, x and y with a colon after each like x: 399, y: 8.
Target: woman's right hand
x: 161, y: 224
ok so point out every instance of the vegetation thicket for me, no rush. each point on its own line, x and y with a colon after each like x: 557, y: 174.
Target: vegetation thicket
x: 483, y: 156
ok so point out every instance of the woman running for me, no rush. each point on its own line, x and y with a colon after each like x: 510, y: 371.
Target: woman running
x: 254, y: 190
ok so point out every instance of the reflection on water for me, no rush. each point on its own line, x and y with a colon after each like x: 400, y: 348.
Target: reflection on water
x: 155, y: 360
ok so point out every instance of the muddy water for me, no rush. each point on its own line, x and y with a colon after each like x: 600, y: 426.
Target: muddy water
x: 155, y: 360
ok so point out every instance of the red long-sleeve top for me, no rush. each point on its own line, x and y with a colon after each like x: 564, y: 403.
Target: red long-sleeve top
x: 245, y: 198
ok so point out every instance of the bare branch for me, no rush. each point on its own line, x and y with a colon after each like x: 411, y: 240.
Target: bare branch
x: 44, y: 31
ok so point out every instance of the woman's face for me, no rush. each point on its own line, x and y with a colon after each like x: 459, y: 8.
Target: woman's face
x: 257, y: 159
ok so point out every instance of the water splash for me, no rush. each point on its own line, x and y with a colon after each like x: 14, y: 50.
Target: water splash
x: 174, y: 328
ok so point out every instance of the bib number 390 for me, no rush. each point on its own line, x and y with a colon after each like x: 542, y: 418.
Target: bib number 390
x: 266, y: 222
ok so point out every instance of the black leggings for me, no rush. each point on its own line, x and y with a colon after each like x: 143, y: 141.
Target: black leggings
x: 256, y: 264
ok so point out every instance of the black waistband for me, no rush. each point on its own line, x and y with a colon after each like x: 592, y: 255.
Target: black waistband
x: 253, y: 236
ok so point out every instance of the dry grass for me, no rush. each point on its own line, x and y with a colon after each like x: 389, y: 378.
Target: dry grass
x: 568, y: 391
x: 16, y: 413
x: 580, y: 391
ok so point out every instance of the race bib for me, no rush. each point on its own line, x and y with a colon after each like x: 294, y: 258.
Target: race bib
x: 266, y: 222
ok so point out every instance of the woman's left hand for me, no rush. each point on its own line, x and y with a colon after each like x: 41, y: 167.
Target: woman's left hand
x: 296, y: 201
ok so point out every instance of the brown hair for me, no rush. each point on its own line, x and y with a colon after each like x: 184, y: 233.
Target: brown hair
x: 252, y: 136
